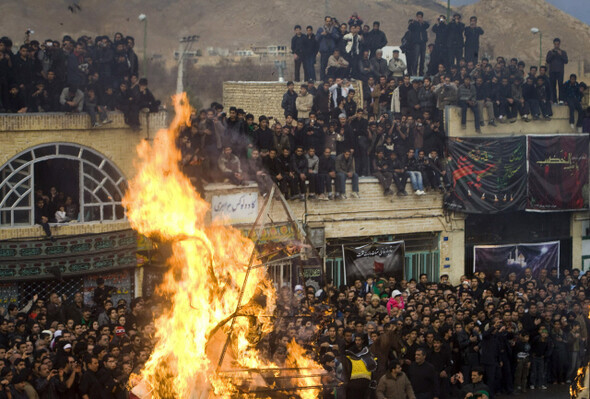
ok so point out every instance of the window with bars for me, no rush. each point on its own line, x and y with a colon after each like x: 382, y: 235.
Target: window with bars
x: 100, y: 190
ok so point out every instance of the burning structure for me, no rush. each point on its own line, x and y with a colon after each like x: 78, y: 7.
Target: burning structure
x: 221, y: 301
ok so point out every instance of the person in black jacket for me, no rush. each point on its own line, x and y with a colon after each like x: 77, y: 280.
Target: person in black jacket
x: 326, y: 173
x: 483, y: 96
x: 42, y: 217
x: 263, y: 136
x: 556, y: 60
x: 423, y: 377
x: 544, y: 99
x: 310, y: 51
x: 288, y: 103
x: 472, y: 34
x: 417, y: 41
x: 90, y: 387
x: 540, y: 350
x: 400, y: 176
x: 376, y: 39
x: 502, y: 108
x: 144, y: 97
x: 288, y: 175
x: 321, y: 102
x: 440, y: 358
x: 297, y: 49
x: 299, y: 170
x: 531, y: 99
x: 276, y: 172
x: 127, y: 105
x: 455, y: 38
x: 439, y: 53
x: 490, y: 352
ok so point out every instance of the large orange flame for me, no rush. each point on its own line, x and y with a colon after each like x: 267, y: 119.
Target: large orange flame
x: 208, y: 268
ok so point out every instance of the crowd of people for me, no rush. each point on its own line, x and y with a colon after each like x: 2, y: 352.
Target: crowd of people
x: 314, y: 157
x: 54, y: 207
x: 83, y: 75
x: 376, y: 338
x: 326, y: 139
x: 61, y: 347
x: 487, y: 336
x: 354, y: 51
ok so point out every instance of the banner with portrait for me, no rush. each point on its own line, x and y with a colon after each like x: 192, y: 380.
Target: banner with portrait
x: 381, y: 259
x: 558, y: 172
x: 487, y: 175
x: 515, y: 258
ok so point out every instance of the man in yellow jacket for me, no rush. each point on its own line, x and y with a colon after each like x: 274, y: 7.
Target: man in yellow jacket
x: 358, y: 366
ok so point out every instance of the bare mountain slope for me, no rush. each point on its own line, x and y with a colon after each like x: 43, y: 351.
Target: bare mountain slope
x: 238, y: 24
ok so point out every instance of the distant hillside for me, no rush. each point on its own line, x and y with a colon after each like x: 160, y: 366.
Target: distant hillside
x: 508, y: 24
x: 234, y: 24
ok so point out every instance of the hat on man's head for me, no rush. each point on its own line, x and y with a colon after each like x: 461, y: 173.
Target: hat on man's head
x: 119, y: 331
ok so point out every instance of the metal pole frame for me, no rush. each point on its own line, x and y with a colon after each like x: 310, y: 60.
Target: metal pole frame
x: 263, y: 211
x: 144, y: 68
x: 540, y: 48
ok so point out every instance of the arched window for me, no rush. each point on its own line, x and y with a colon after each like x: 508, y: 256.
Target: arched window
x: 98, y: 184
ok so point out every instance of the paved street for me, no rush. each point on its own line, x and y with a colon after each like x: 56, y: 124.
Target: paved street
x: 552, y: 392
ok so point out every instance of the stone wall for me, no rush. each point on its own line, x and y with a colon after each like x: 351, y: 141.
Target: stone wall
x: 263, y: 98
x: 116, y: 140
x: 559, y: 123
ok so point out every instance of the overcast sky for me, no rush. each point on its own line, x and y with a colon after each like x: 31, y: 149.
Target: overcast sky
x: 577, y: 8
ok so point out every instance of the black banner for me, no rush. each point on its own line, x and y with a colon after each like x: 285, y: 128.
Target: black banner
x: 515, y: 258
x: 381, y: 259
x: 558, y: 172
x: 488, y: 175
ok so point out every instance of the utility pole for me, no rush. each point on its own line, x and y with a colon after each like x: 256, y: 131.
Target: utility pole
x: 448, y: 10
x: 187, y: 43
x: 143, y: 18
x: 541, y: 50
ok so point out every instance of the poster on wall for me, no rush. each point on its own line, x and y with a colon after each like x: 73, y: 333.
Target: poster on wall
x: 487, y: 175
x: 381, y: 259
x: 8, y: 294
x: 558, y: 172
x: 516, y: 258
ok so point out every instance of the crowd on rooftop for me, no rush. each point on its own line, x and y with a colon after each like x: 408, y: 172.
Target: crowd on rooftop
x: 74, y: 75
x: 325, y: 137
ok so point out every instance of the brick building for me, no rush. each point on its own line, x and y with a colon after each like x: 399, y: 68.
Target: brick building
x: 93, y: 166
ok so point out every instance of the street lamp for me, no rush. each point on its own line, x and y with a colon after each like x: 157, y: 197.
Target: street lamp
x: 143, y: 18
x: 448, y: 10
x: 534, y: 31
x: 187, y: 42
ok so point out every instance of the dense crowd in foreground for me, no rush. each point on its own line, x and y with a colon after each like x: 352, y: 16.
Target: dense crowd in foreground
x: 60, y: 347
x: 84, y: 75
x: 484, y: 337
x: 375, y: 338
